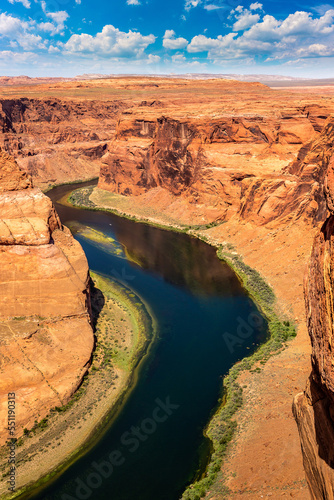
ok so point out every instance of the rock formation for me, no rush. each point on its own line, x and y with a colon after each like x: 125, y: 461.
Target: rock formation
x: 57, y: 140
x: 314, y: 408
x: 221, y: 167
x: 46, y: 339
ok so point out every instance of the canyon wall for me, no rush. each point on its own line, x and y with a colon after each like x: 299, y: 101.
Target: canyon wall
x: 314, y: 408
x: 57, y: 140
x: 244, y: 166
x: 46, y: 337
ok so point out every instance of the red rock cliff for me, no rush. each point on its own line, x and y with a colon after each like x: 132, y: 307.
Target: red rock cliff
x: 57, y: 140
x: 314, y: 408
x: 46, y: 339
x: 222, y: 167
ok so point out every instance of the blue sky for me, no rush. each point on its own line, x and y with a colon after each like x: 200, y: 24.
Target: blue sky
x: 71, y: 37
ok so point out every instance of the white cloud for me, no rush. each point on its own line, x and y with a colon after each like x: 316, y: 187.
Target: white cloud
x: 191, y: 3
x: 201, y: 43
x: 12, y: 26
x: 18, y: 33
x: 170, y: 42
x: 265, y: 30
x: 153, y: 59
x: 110, y: 42
x: 245, y: 21
x: 54, y: 50
x: 321, y: 9
x: 212, y: 7
x: 19, y: 57
x: 256, y: 6
x: 269, y: 38
x: 29, y: 41
x: 301, y: 24
x: 78, y: 2
x: 59, y: 17
x: 48, y: 28
x: 316, y: 49
x: 178, y: 59
x: 133, y: 2
x: 169, y: 34
x: 25, y: 3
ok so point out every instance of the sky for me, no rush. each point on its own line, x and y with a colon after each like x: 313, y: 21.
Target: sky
x: 71, y: 37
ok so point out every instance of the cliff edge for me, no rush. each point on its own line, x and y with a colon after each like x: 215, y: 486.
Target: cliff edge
x: 314, y: 408
x: 46, y: 338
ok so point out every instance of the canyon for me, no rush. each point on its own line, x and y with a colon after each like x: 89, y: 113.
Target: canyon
x: 253, y: 162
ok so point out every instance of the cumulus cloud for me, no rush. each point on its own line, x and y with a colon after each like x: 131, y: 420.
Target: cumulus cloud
x: 59, y: 17
x: 54, y: 50
x: 170, y: 42
x: 178, y: 59
x: 192, y: 3
x: 316, y: 49
x: 256, y: 6
x: 201, y: 43
x: 48, y: 28
x: 18, y: 33
x: 29, y: 41
x: 269, y: 38
x: 110, y: 42
x: 133, y: 2
x: 12, y: 26
x: 245, y: 20
x: 153, y: 59
x: 25, y: 3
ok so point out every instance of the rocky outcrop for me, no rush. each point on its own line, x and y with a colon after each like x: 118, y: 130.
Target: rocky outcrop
x: 314, y: 408
x: 46, y: 338
x: 231, y: 166
x: 298, y: 193
x: 57, y: 140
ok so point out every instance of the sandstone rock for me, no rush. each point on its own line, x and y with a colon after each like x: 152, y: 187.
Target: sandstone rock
x: 199, y: 162
x: 57, y: 141
x: 46, y: 339
x: 314, y: 409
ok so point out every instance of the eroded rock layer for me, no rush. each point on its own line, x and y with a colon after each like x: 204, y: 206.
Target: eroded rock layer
x: 314, y: 408
x: 46, y: 339
x: 57, y: 140
x: 221, y: 167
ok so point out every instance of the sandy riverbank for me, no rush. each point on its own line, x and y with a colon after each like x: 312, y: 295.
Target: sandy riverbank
x: 123, y: 333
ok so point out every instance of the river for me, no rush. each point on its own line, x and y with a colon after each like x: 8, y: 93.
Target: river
x: 196, y: 299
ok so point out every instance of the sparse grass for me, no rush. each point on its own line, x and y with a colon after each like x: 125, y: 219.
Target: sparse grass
x: 80, y: 197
